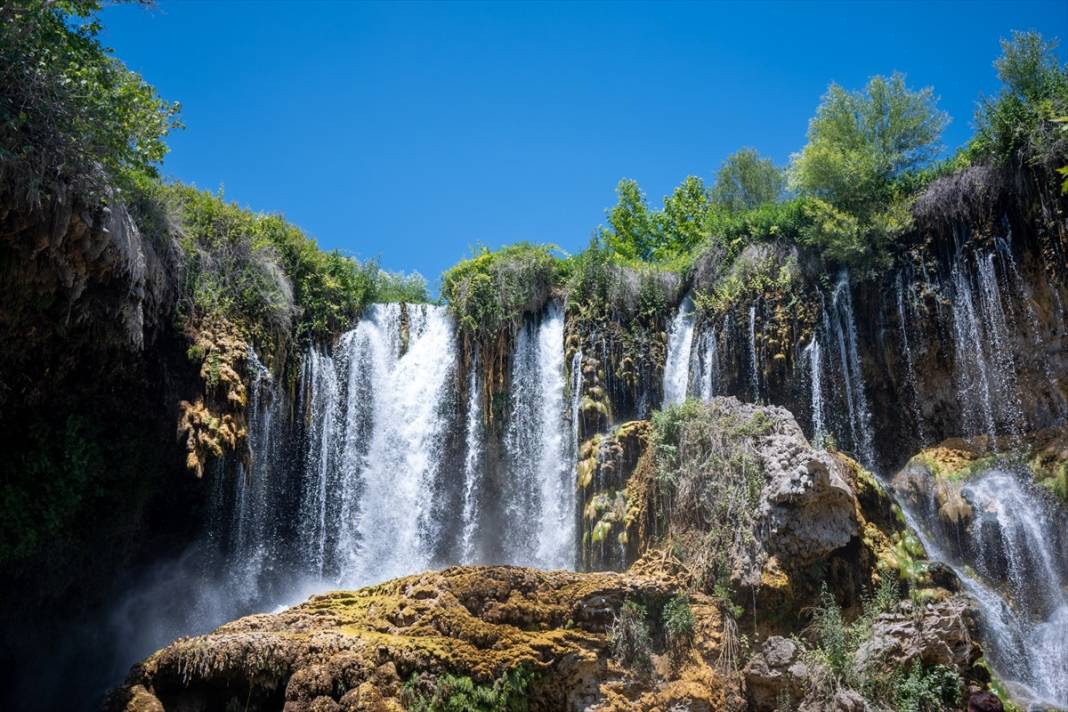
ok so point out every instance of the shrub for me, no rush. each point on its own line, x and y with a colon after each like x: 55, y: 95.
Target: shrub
x: 707, y: 485
x: 630, y: 638
x: 490, y: 292
x: 678, y: 626
x: 67, y: 107
x: 453, y: 693
x: 927, y: 689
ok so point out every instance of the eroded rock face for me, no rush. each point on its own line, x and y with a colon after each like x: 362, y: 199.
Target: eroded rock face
x: 775, y: 674
x: 807, y: 507
x: 938, y: 633
x: 356, y: 650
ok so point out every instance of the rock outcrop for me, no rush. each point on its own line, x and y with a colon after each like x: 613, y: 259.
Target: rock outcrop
x: 360, y: 650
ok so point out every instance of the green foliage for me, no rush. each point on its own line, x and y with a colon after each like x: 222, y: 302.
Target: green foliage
x: 490, y: 292
x: 265, y: 274
x: 631, y: 640
x: 45, y: 485
x: 746, y: 181
x: 708, y: 483
x: 679, y: 624
x: 67, y: 106
x: 453, y: 693
x: 1019, y: 124
x: 921, y: 689
x: 859, y: 141
x: 637, y: 233
x: 927, y: 689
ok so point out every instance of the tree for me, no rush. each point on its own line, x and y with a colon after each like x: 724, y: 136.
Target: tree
x: 637, y: 233
x: 1021, y: 122
x: 632, y: 232
x: 860, y: 141
x: 745, y: 181
x: 67, y: 107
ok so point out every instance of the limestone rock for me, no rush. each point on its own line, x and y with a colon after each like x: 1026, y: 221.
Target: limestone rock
x: 938, y: 633
x: 356, y: 650
x: 776, y: 672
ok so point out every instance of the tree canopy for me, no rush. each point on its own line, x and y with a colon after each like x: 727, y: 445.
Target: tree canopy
x: 68, y: 108
x: 746, y: 180
x: 860, y: 141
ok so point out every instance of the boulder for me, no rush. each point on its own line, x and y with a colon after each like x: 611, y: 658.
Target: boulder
x: 776, y: 672
x: 937, y: 633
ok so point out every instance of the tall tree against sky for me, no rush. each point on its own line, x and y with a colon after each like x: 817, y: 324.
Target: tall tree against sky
x: 859, y: 141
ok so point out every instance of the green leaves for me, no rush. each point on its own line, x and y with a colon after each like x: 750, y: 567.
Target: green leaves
x: 68, y: 110
x: 746, y: 181
x: 860, y: 141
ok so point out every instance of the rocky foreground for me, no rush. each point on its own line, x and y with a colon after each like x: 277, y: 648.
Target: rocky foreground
x: 378, y: 648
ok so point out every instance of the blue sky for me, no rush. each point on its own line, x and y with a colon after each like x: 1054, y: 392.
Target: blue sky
x: 410, y: 132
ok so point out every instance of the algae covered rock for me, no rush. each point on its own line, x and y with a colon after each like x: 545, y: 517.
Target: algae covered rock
x: 378, y: 647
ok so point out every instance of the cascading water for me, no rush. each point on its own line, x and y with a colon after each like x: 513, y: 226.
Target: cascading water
x: 1011, y: 562
x: 677, y: 365
x: 708, y: 375
x: 815, y: 363
x: 376, y: 421
x: 754, y: 362
x: 538, y: 494
x: 474, y: 437
x: 985, y: 370
x: 910, y: 368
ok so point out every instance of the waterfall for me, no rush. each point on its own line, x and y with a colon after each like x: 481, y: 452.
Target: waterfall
x: 985, y: 370
x: 754, y: 364
x: 841, y: 326
x: 474, y: 435
x: 910, y: 368
x: 1012, y: 564
x: 245, y: 524
x: 819, y: 426
x: 375, y: 424
x: 538, y: 492
x: 680, y: 341
x: 576, y: 395
x: 708, y: 371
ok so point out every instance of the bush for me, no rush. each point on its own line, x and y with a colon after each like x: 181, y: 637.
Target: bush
x: 68, y: 108
x: 631, y: 641
x: 678, y: 626
x: 927, y: 689
x: 490, y: 293
x: 1020, y: 124
x: 452, y: 693
x: 707, y: 484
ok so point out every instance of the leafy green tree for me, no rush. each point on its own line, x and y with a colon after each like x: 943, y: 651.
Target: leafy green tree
x: 860, y: 141
x: 67, y: 107
x: 637, y: 233
x: 632, y: 233
x: 1021, y: 122
x: 746, y: 181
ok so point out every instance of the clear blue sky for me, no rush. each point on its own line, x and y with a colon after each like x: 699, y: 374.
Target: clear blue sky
x: 410, y: 132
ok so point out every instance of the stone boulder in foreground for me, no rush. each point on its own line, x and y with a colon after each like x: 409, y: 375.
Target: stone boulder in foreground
x: 381, y: 648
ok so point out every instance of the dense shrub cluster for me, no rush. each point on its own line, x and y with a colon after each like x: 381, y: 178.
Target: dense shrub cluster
x: 707, y: 485
x: 69, y: 111
x: 453, y: 693
x: 918, y: 689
